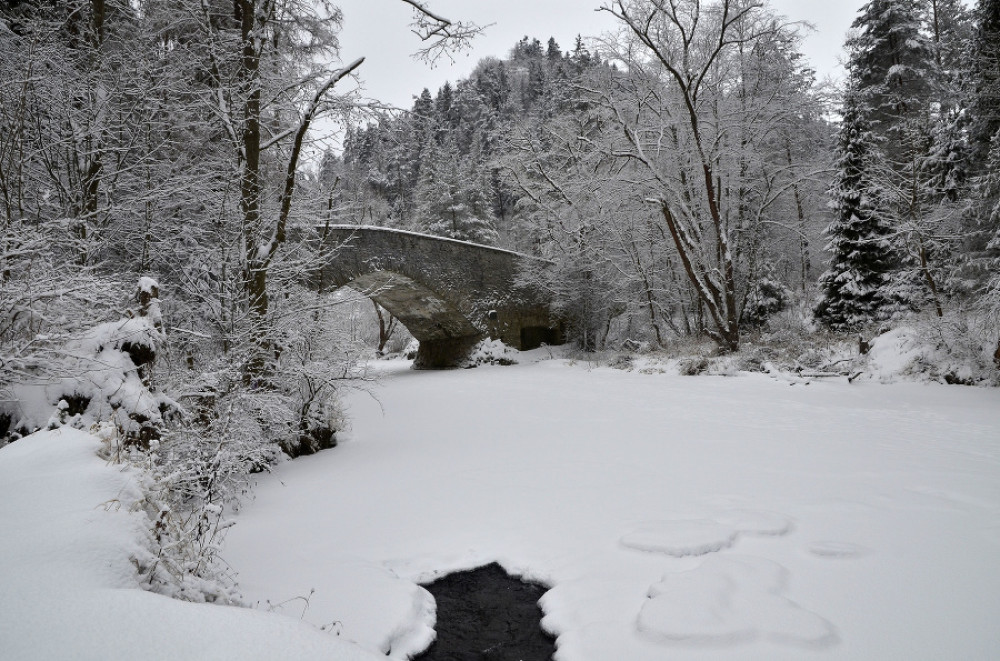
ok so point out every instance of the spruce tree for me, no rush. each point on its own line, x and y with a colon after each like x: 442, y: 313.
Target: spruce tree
x: 984, y: 134
x: 990, y: 194
x: 893, y: 63
x: 950, y: 27
x: 984, y: 74
x: 855, y: 290
x: 552, y: 51
x: 423, y: 109
x: 534, y: 87
x: 424, y: 122
x: 450, y: 201
x: 947, y: 164
x: 444, y: 108
x: 989, y: 204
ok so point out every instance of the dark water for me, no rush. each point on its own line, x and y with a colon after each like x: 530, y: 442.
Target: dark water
x: 486, y: 614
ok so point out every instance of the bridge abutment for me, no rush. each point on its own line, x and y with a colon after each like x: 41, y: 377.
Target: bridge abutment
x: 444, y: 354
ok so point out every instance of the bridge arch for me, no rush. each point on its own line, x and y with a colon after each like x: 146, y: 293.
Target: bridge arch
x: 449, y: 294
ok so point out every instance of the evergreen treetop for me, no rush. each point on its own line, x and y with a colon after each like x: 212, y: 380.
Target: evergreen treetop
x: 984, y: 74
x: 892, y: 62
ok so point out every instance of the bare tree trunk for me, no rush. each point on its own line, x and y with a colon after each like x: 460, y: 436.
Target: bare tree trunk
x: 261, y: 245
x: 250, y: 189
x: 804, y: 262
x: 385, y: 327
x: 648, y: 293
x: 925, y: 269
x: 914, y: 213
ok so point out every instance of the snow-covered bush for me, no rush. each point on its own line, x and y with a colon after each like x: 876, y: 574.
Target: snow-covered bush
x: 99, y: 377
x: 636, y: 346
x: 956, y: 349
x: 490, y: 352
x: 41, y: 305
x: 767, y: 297
x: 793, y: 342
x: 991, y: 312
x: 201, y: 468
x: 195, y: 480
x: 399, y: 342
x: 234, y: 427
x: 204, y: 464
x: 187, y: 502
x: 401, y: 345
x: 693, y: 366
x: 316, y: 361
x: 621, y: 361
x: 101, y: 380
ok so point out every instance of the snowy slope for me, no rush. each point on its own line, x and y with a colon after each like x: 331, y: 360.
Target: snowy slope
x: 67, y: 584
x: 675, y: 517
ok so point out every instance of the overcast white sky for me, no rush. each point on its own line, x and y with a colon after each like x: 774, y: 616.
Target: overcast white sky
x: 377, y: 30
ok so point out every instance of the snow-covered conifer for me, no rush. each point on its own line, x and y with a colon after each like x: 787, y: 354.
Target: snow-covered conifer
x: 984, y: 136
x: 855, y: 289
x: 450, y: 198
x: 986, y: 205
x: 984, y: 74
x: 900, y: 74
x: 892, y: 62
x: 950, y: 27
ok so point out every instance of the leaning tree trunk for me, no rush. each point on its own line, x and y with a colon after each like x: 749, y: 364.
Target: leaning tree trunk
x: 250, y: 192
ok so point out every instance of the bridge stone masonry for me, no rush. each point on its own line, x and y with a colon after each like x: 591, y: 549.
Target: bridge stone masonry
x: 449, y: 294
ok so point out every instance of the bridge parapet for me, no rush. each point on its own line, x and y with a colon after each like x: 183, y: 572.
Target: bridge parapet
x: 448, y: 293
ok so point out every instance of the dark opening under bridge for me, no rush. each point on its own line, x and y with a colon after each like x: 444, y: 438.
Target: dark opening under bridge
x: 449, y: 294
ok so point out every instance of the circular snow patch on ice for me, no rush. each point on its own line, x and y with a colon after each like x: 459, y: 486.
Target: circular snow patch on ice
x: 681, y: 538
x: 726, y: 601
x: 758, y: 522
x: 827, y: 549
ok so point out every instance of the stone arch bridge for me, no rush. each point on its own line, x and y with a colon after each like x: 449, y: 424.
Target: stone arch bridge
x: 449, y: 294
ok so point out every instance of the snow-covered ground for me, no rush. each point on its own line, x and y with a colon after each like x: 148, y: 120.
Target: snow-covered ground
x: 674, y: 517
x: 68, y: 587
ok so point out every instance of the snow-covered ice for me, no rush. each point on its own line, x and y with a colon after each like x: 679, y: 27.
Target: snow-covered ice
x: 835, y: 521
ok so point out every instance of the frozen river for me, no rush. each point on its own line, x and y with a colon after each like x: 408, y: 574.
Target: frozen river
x: 673, y: 517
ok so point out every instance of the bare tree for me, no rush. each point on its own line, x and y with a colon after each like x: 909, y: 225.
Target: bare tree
x: 706, y: 87
x: 273, y: 80
x: 441, y: 36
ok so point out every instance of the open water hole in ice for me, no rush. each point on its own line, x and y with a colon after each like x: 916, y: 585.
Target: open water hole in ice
x: 484, y: 614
